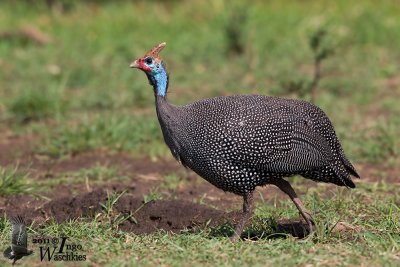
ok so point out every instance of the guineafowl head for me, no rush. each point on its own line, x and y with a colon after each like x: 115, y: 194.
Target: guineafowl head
x: 154, y: 68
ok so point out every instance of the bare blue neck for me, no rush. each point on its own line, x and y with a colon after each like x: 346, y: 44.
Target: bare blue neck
x: 159, y: 81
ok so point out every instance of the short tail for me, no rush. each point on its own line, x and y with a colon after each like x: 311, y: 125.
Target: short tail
x: 347, y: 164
x: 335, y: 173
x: 350, y: 168
x: 342, y: 173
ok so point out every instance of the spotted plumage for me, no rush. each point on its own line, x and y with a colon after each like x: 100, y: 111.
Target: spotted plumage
x: 240, y: 142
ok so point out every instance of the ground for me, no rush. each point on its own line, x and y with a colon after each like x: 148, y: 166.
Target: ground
x: 82, y: 155
x: 162, y: 198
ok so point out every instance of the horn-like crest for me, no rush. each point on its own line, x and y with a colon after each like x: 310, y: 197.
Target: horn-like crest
x: 155, y: 50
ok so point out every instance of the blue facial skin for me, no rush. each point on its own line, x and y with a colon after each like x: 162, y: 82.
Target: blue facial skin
x: 158, y: 76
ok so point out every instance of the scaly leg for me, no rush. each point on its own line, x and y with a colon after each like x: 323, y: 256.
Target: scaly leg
x: 288, y: 189
x: 247, y: 212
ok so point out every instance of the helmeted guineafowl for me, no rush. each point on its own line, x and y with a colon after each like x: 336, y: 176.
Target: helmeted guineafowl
x: 243, y: 141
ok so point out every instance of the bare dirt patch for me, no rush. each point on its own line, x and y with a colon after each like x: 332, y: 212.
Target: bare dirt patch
x: 169, y: 215
x: 15, y: 149
x: 19, y: 150
x: 379, y: 173
x: 125, y: 163
x: 172, y: 215
x: 194, y: 203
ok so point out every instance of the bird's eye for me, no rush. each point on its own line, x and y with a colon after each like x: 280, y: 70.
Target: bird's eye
x: 148, y: 60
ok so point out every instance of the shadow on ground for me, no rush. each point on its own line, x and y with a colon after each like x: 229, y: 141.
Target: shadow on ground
x: 264, y: 228
x: 144, y: 218
x: 180, y: 211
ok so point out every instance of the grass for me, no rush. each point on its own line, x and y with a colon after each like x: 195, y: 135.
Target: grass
x: 77, y: 94
x: 96, y: 175
x: 14, y: 181
x: 114, y: 218
x: 380, y: 142
x: 114, y: 132
x: 375, y: 241
x: 80, y: 82
x: 33, y: 105
x: 171, y: 181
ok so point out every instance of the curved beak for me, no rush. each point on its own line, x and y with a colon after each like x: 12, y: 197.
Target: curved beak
x: 134, y: 64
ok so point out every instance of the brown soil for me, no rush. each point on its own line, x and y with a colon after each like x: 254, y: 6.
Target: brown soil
x: 14, y: 149
x: 169, y: 215
x: 379, y: 173
x: 73, y: 201
x: 179, y: 209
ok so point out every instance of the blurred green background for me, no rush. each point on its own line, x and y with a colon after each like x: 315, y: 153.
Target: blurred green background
x: 66, y: 88
x: 64, y: 73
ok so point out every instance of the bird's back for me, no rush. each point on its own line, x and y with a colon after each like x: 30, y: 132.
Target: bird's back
x: 252, y: 138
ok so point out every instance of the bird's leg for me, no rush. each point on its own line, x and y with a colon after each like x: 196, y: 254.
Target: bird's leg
x: 247, y: 212
x: 288, y: 189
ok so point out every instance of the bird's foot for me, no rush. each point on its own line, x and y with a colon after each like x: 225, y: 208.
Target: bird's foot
x: 310, y: 223
x: 234, y: 237
x: 247, y: 212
